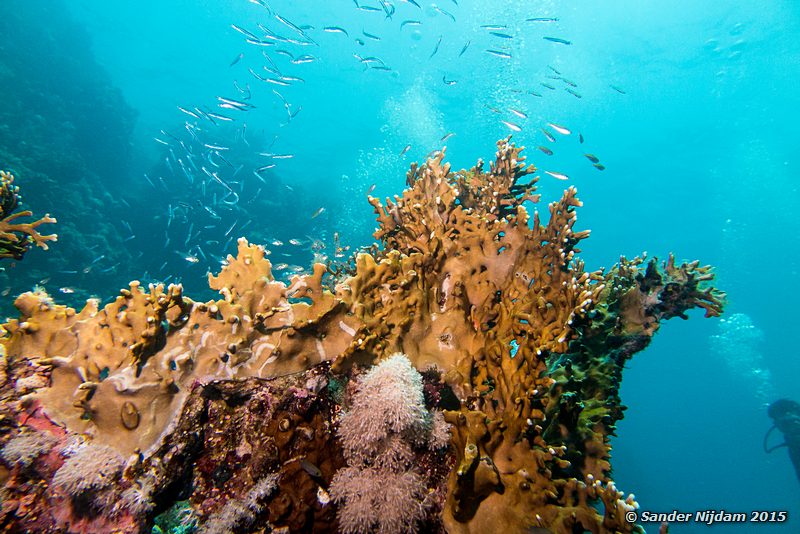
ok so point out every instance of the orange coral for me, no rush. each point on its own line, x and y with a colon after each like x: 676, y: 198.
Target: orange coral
x: 467, y: 281
x: 16, y: 237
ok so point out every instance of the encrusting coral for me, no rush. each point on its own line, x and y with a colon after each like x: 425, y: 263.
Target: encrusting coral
x: 523, y: 349
x: 17, y: 237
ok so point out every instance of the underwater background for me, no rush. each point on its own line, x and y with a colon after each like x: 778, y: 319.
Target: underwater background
x: 691, y: 109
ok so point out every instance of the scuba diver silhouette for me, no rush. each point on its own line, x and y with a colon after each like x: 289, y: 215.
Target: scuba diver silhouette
x: 786, y: 416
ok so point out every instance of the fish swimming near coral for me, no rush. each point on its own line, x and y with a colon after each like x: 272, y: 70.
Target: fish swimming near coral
x: 563, y: 130
x: 557, y: 175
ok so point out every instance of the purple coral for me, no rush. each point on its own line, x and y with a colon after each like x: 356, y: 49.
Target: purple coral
x: 379, y: 490
x: 92, y: 467
x: 388, y: 401
x: 378, y: 500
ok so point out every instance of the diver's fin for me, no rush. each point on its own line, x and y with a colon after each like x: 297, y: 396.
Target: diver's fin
x: 766, y: 437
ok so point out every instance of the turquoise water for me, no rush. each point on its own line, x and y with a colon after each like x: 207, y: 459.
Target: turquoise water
x: 692, y: 108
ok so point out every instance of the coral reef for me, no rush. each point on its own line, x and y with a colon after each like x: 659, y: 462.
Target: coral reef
x: 17, y: 237
x: 519, y: 345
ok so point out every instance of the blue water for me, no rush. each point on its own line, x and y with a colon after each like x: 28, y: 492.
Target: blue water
x: 701, y: 155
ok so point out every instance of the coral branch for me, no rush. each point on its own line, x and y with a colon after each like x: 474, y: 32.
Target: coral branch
x: 17, y: 237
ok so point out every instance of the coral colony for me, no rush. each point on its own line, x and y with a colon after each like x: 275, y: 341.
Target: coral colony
x: 17, y: 237
x: 463, y: 378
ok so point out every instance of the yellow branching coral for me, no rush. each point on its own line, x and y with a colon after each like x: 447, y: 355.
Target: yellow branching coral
x: 17, y: 237
x: 531, y: 343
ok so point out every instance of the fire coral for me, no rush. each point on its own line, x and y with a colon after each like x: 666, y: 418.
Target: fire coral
x: 522, y: 348
x: 17, y: 237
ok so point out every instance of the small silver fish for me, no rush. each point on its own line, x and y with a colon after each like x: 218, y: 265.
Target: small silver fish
x: 502, y: 35
x: 518, y: 113
x: 557, y: 40
x: 548, y: 135
x: 406, y: 149
x: 244, y: 32
x: 436, y: 48
x: 236, y: 103
x: 371, y: 36
x: 410, y: 23
x: 335, y: 29
x: 464, y: 49
x: 220, y: 117
x: 443, y: 12
x: 314, y: 216
x: 190, y: 113
x: 512, y: 126
x: 274, y: 81
x: 449, y: 82
x: 545, y: 150
x: 306, y: 58
x: 446, y: 136
x: 498, y: 53
x: 592, y: 158
x: 560, y: 129
x: 557, y: 175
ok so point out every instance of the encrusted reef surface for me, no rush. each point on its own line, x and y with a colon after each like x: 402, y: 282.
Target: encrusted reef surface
x: 464, y: 378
